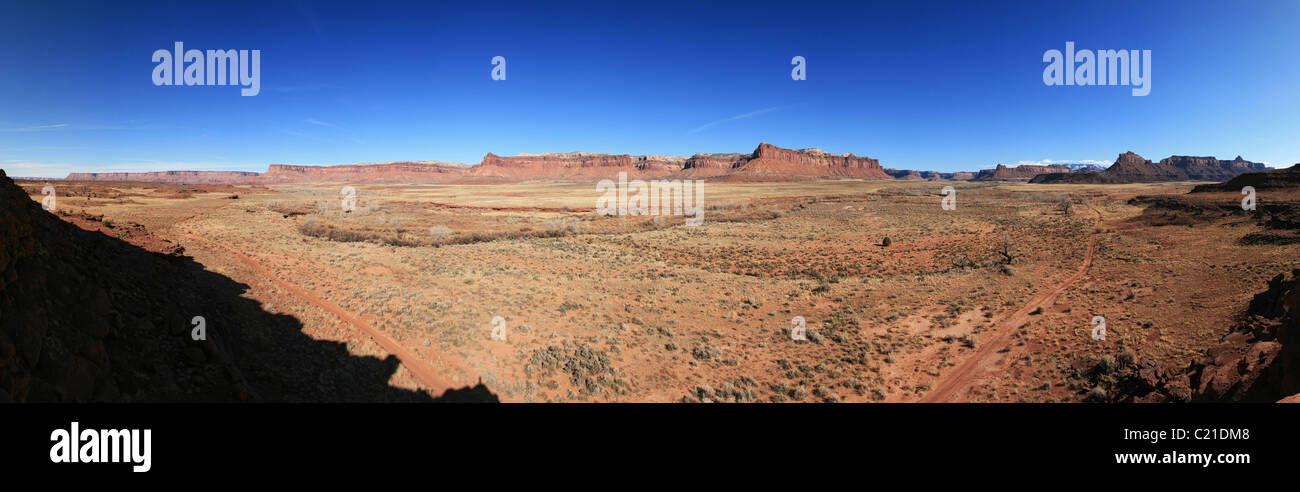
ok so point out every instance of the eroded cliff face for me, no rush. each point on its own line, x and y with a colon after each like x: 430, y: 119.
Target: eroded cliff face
x: 571, y: 165
x: 770, y: 159
x: 767, y: 159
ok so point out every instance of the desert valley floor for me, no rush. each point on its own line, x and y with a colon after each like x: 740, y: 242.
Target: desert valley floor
x: 903, y: 300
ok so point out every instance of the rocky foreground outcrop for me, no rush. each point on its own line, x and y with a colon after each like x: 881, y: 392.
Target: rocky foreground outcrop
x: 1258, y: 360
x: 1132, y: 168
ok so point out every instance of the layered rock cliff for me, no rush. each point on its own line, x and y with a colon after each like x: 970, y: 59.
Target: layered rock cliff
x: 766, y: 160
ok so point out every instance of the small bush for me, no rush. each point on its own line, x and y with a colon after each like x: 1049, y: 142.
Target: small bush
x: 1098, y: 394
x: 439, y: 233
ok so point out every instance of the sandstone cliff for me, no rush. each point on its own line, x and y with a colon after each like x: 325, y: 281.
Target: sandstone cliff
x: 767, y: 160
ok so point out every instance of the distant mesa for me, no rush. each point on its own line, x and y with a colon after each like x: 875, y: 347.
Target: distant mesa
x: 906, y: 174
x: 280, y: 173
x: 766, y: 163
x: 1273, y: 179
x: 186, y: 177
x: 1132, y: 168
x: 1023, y: 172
x: 767, y: 160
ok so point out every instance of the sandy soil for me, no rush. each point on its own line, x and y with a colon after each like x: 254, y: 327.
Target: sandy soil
x: 647, y: 309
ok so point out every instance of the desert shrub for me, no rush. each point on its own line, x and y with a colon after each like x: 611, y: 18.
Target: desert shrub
x: 1097, y: 394
x: 1106, y: 364
x: 886, y: 242
x: 439, y: 232
x: 1128, y: 357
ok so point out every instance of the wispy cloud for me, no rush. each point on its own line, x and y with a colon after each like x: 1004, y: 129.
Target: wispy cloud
x: 35, y: 128
x: 319, y: 122
x: 750, y: 114
x: 307, y: 136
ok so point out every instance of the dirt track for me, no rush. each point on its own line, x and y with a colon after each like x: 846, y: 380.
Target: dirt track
x: 960, y: 379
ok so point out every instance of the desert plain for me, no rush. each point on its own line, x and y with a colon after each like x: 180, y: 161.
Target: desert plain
x: 523, y: 290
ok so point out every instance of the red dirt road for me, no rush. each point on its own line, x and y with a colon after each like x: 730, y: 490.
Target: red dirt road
x: 960, y: 379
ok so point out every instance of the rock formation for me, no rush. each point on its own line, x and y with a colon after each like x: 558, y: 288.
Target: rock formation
x: 766, y: 160
x: 1258, y: 360
x: 1132, y: 168
x: 1018, y: 173
x: 1276, y: 179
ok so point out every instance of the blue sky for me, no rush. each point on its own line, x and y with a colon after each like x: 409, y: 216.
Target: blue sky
x: 933, y: 86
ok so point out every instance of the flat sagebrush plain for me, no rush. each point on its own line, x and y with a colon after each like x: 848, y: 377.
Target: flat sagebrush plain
x: 902, y: 300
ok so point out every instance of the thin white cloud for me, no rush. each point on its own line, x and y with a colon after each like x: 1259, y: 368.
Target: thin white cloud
x: 319, y: 123
x: 750, y: 114
x: 35, y: 128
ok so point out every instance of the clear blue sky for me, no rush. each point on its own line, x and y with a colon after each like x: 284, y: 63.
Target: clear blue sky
x: 934, y: 86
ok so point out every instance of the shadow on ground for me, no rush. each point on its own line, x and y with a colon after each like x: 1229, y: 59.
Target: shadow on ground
x: 91, y: 311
